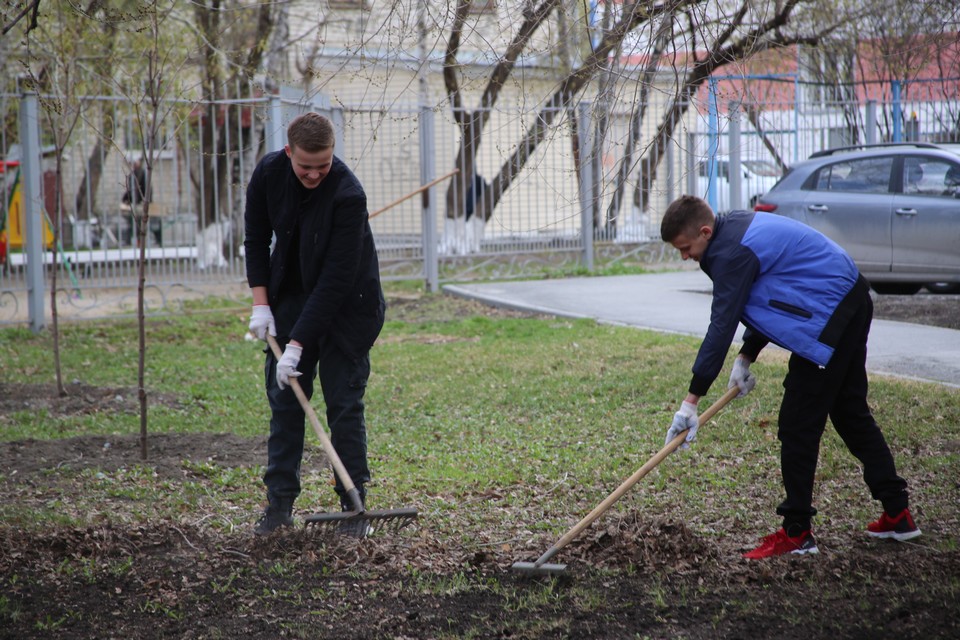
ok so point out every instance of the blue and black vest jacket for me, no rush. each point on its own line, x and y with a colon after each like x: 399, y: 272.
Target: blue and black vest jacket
x: 786, y: 282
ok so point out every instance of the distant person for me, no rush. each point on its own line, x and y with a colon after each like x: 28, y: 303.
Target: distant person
x: 319, y: 293
x: 477, y: 192
x: 133, y: 197
x: 790, y: 285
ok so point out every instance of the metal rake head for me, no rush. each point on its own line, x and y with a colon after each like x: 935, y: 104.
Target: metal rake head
x: 357, y: 524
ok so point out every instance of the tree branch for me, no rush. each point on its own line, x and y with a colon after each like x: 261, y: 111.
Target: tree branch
x: 33, y: 8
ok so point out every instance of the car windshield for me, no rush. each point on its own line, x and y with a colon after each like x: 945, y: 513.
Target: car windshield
x: 762, y: 168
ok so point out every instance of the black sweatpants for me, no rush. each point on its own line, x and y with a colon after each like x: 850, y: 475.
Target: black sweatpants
x: 343, y: 381
x: 838, y: 391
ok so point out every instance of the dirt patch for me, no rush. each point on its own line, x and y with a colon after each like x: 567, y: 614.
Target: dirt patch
x: 634, y: 580
x: 936, y: 310
x: 24, y: 460
x: 77, y: 399
x: 636, y: 575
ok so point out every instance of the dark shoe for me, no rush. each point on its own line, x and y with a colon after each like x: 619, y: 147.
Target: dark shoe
x: 900, y: 528
x: 358, y: 528
x: 272, y: 519
x: 779, y: 543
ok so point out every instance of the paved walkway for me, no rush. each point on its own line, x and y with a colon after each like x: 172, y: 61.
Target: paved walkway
x: 679, y: 302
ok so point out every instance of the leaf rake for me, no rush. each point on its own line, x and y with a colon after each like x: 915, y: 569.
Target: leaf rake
x: 356, y: 523
x: 543, y: 568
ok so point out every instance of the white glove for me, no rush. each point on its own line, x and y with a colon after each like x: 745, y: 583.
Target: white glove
x: 287, y: 365
x: 741, y: 377
x: 261, y: 321
x: 684, y: 420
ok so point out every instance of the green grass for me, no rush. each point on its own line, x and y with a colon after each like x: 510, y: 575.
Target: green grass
x: 548, y: 415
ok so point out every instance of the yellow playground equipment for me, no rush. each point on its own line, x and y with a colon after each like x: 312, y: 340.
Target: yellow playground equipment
x: 13, y: 223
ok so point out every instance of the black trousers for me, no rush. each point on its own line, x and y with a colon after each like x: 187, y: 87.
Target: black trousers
x: 838, y: 391
x: 343, y: 381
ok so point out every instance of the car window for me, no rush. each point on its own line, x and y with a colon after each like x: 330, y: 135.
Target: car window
x: 930, y: 177
x: 763, y: 168
x: 723, y: 169
x: 867, y: 175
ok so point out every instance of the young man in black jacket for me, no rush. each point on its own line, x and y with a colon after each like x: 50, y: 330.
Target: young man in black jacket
x: 319, y: 293
x: 790, y: 285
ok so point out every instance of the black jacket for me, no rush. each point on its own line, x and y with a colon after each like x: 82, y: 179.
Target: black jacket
x: 338, y: 259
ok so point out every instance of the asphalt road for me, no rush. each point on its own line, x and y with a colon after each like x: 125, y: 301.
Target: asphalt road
x: 679, y: 302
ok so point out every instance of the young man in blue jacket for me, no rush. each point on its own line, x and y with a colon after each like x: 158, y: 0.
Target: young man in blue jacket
x: 790, y: 285
x: 319, y: 293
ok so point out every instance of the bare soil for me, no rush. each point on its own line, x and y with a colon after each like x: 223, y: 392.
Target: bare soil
x: 936, y: 310
x: 637, y: 577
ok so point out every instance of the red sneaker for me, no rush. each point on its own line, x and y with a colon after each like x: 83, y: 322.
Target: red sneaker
x: 779, y: 543
x: 899, y: 528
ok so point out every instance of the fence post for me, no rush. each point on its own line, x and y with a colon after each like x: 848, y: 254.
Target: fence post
x: 339, y: 126
x: 32, y: 206
x: 713, y: 138
x: 897, y: 113
x: 274, y: 129
x: 671, y: 186
x: 431, y: 265
x: 588, y: 187
x: 734, y: 168
x: 871, y: 123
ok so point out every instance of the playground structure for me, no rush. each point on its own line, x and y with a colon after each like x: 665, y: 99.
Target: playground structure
x: 13, y: 212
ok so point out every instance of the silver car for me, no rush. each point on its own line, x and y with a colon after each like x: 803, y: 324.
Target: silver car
x: 758, y: 177
x: 895, y: 208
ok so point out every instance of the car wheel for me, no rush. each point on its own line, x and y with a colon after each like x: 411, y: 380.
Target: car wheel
x: 943, y: 287
x: 896, y: 288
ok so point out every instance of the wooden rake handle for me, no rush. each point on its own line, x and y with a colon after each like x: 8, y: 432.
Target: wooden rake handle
x: 637, y: 475
x: 338, y: 467
x: 413, y: 193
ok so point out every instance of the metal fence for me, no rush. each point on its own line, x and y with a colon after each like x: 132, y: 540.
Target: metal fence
x: 574, y: 200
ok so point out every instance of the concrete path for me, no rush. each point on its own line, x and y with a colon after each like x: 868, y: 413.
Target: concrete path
x: 679, y: 302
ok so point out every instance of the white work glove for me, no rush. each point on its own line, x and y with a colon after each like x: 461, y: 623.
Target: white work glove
x: 287, y: 365
x: 741, y: 377
x: 685, y: 419
x: 261, y: 322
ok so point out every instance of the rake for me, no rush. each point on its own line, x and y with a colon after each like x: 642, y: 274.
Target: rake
x: 542, y: 568
x: 359, y: 522
x: 374, y: 214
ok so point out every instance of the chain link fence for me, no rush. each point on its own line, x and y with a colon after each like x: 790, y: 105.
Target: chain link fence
x: 590, y: 191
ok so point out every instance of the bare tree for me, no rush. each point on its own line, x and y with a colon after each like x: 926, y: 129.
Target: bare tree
x: 101, y: 65
x: 471, y: 124
x: 661, y: 38
x: 603, y: 107
x: 569, y: 87
x: 731, y: 43
x: 231, y: 54
x: 699, y: 38
x: 62, y: 69
x: 885, y: 42
x: 57, y: 74
x: 29, y: 12
x: 151, y: 112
